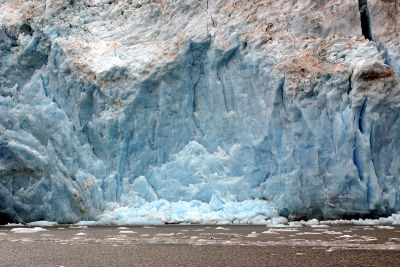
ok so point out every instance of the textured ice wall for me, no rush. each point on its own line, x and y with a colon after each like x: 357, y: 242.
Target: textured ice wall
x: 129, y: 102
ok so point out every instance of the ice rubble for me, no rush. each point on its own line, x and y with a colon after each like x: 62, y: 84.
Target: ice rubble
x: 161, y: 111
x: 215, y: 212
x: 246, y: 213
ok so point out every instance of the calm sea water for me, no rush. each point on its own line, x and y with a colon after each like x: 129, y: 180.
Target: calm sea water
x: 195, y: 245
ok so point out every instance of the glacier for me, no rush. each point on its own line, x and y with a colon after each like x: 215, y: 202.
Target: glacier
x: 211, y: 111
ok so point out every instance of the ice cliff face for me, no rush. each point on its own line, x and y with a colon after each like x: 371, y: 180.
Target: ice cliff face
x: 106, y: 103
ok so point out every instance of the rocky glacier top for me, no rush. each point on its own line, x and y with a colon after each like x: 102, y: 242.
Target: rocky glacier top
x: 176, y: 110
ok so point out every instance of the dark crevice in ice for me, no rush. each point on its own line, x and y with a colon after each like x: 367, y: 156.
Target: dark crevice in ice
x: 371, y: 145
x: 367, y: 30
x: 361, y: 128
x: 361, y: 117
x: 4, y: 219
x: 385, y: 55
x: 197, y: 51
x: 357, y: 164
x: 46, y: 92
x: 226, y: 58
x: 44, y: 86
x: 26, y: 29
x: 223, y: 92
x: 350, y: 85
x: 365, y: 19
x: 212, y: 20
x: 281, y: 91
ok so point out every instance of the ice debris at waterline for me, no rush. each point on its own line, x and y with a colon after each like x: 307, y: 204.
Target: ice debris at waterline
x: 293, y: 107
x: 197, y: 213
x: 215, y: 212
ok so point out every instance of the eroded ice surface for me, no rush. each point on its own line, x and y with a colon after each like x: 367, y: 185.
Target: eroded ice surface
x: 188, y: 111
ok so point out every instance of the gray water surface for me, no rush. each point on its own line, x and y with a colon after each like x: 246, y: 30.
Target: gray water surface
x: 194, y: 245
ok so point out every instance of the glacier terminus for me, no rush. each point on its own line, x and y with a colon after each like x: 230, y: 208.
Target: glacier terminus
x: 208, y: 111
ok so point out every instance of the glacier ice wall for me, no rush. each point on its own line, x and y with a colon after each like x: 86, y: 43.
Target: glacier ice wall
x: 126, y: 103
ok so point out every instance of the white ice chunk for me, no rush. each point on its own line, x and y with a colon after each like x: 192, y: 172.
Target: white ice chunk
x: 42, y: 223
x: 252, y: 234
x: 27, y: 230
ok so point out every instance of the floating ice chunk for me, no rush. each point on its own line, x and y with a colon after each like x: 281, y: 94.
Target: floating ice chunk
x: 394, y: 219
x: 344, y: 236
x: 127, y: 232
x: 385, y: 227
x: 369, y: 238
x: 391, y: 220
x: 252, y: 234
x: 87, y: 223
x: 27, y: 230
x: 270, y: 232
x: 365, y: 222
x: 46, y: 235
x: 42, y: 223
x: 295, y: 224
x: 284, y: 229
x: 312, y: 222
x: 163, y: 234
x: 258, y: 220
x: 219, y: 228
x: 80, y: 234
x: 277, y: 222
x: 13, y: 224
x: 332, y: 233
x: 308, y: 233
